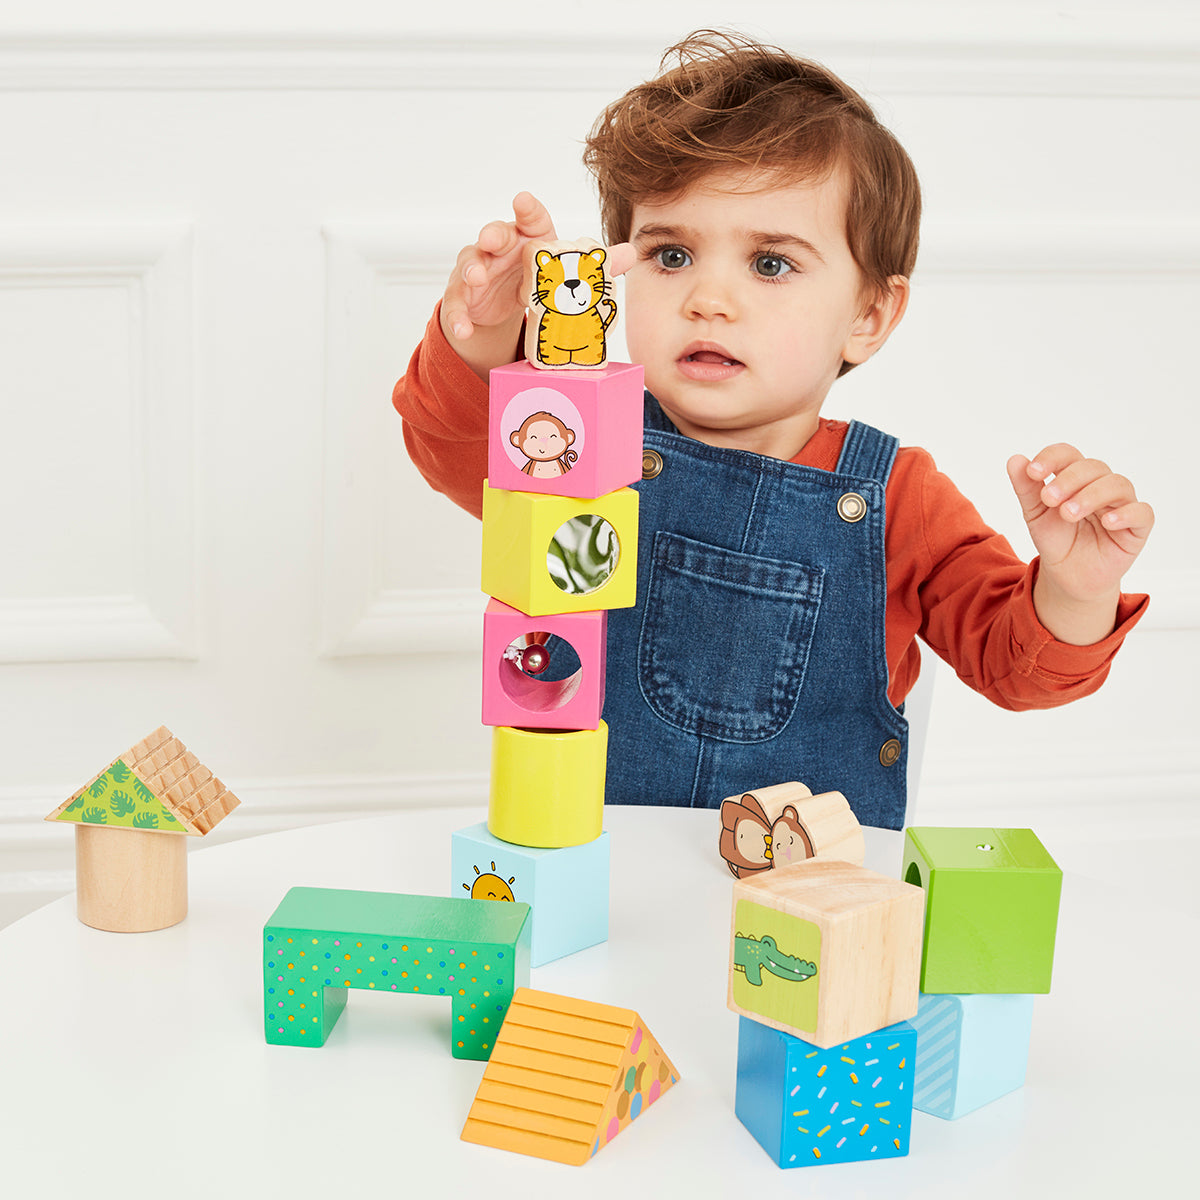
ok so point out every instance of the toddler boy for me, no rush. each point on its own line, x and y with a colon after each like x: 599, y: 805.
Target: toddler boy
x: 787, y: 562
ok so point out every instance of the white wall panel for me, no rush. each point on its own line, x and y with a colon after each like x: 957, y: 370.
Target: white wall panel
x: 401, y: 566
x: 98, y: 436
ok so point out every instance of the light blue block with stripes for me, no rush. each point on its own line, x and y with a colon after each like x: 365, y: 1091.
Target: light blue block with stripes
x: 971, y: 1050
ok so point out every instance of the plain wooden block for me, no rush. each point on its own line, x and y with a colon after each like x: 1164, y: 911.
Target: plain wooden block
x: 825, y: 950
x: 129, y: 881
x: 784, y: 824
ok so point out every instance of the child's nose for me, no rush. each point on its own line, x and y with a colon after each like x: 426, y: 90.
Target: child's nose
x: 709, y: 297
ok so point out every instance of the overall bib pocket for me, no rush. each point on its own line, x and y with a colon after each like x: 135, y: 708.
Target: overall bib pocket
x: 725, y: 638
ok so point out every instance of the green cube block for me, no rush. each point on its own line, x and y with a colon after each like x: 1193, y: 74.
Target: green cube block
x: 991, y: 908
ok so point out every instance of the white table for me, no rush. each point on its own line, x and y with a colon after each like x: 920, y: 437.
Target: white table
x: 135, y: 1065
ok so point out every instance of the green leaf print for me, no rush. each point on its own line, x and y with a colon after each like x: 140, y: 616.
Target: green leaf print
x: 120, y: 772
x: 95, y: 816
x: 122, y: 804
x: 145, y: 820
x: 98, y: 788
x: 143, y: 792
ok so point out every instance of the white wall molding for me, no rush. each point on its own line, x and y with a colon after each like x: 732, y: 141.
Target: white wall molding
x: 1058, y: 250
x: 1161, y: 783
x: 152, y: 264
x: 1013, y: 56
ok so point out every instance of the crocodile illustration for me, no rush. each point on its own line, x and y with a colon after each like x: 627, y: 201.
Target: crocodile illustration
x: 752, y: 956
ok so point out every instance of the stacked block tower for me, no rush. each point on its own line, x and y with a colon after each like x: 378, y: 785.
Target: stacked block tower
x: 992, y: 898
x: 824, y: 964
x: 559, y: 551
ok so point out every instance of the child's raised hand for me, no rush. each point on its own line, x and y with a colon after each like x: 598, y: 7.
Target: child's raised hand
x: 1088, y: 527
x: 484, y: 290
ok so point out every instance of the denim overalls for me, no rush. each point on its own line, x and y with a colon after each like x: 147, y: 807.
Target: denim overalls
x: 755, y: 654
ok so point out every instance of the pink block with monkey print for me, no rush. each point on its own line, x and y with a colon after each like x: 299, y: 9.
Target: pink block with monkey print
x: 567, y: 433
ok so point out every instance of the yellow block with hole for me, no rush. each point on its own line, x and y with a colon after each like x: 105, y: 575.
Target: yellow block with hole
x: 558, y: 554
x: 547, y: 786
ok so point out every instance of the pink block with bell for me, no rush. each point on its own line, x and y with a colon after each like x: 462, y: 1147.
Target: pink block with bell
x: 568, y: 433
x: 514, y: 657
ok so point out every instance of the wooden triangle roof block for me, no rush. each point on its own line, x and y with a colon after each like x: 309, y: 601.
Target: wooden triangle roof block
x: 565, y: 1077
x: 158, y: 785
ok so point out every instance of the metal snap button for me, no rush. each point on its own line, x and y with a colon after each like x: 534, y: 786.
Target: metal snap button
x: 652, y: 464
x: 851, y: 507
x: 889, y: 752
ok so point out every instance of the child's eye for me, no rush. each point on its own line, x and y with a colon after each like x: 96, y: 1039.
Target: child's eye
x: 771, y: 266
x: 672, y: 257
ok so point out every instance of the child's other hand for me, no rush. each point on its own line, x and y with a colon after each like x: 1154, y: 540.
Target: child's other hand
x: 1088, y: 527
x: 483, y: 295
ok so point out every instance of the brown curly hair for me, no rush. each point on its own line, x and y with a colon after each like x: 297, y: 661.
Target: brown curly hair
x: 725, y: 102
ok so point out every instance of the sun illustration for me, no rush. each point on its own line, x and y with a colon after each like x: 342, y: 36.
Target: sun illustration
x: 489, y: 886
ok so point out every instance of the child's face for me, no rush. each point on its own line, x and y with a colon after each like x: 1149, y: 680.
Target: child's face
x: 742, y: 306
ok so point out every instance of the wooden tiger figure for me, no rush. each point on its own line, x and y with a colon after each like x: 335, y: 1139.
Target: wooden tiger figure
x: 572, y: 292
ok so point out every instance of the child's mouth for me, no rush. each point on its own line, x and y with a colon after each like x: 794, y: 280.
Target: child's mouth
x: 708, y: 363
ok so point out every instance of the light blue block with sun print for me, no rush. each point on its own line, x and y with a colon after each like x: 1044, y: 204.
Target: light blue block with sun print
x: 971, y: 1050
x: 566, y: 888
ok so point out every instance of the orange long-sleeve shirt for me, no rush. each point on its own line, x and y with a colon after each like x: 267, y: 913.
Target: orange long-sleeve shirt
x: 951, y: 579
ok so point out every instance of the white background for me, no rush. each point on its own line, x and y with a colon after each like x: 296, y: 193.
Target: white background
x: 223, y: 226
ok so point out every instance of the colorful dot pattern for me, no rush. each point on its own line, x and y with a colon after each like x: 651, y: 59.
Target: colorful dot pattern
x: 644, y: 1074
x: 850, y: 1102
x: 308, y: 972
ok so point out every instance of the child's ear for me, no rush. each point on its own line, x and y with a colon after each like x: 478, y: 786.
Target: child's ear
x: 880, y: 315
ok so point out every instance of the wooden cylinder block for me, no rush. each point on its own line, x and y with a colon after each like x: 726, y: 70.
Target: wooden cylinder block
x: 130, y: 881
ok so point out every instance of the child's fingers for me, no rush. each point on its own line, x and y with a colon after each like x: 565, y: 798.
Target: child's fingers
x: 1027, y: 487
x: 1050, y: 460
x: 533, y: 221
x: 1083, y: 494
x: 1136, y: 519
x: 621, y: 257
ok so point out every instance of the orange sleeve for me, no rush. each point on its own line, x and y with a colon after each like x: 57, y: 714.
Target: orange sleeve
x: 444, y: 405
x: 960, y: 585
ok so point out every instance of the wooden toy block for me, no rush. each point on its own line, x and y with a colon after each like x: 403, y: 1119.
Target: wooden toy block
x: 130, y: 821
x: 784, y: 824
x: 565, y: 1078
x: 571, y: 304
x: 825, y: 950
x: 578, y: 434
x: 522, y: 684
x: 566, y: 888
x: 557, y: 554
x: 971, y: 1050
x: 547, y: 788
x: 991, y: 908
x: 320, y: 942
x: 808, y: 1107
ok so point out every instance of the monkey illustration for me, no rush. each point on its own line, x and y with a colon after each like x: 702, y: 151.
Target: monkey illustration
x: 789, y: 840
x: 546, y: 443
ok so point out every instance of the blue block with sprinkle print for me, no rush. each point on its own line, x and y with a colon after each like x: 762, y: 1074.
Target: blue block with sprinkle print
x: 971, y: 1050
x: 807, y: 1106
